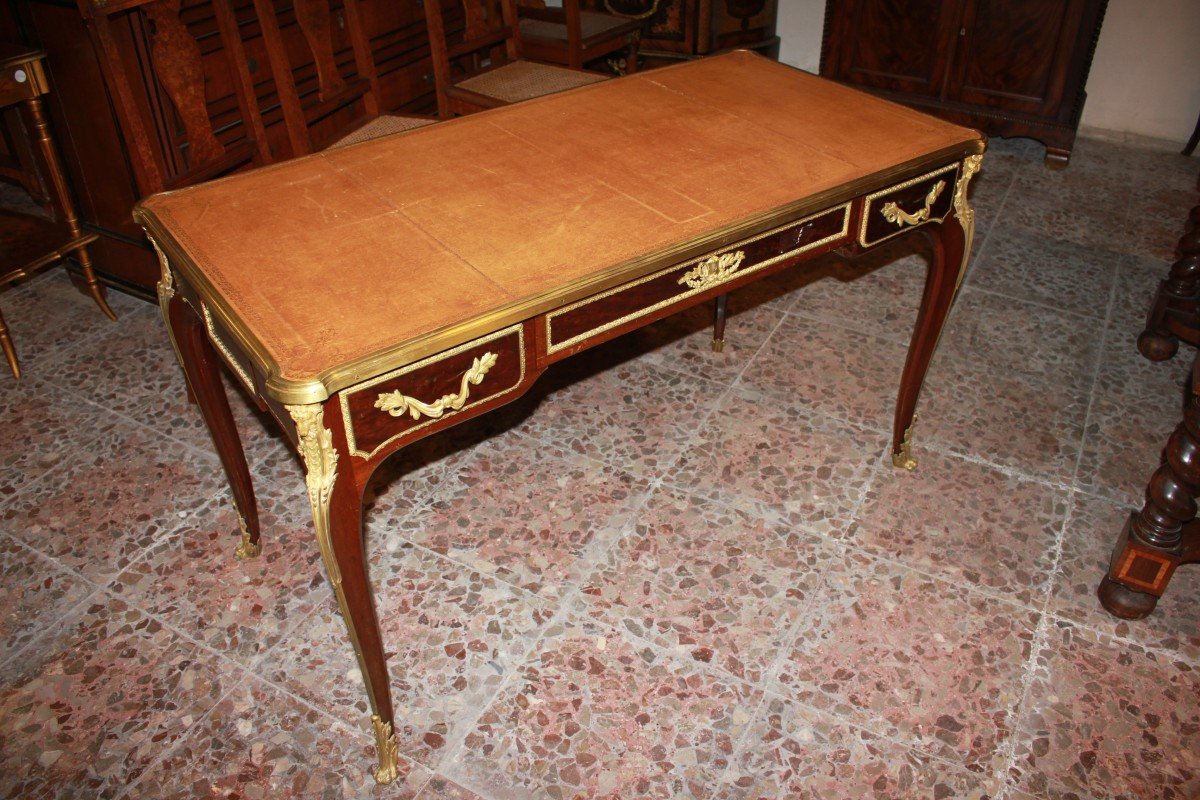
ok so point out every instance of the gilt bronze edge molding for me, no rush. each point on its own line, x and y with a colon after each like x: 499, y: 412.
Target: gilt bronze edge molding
x: 321, y: 386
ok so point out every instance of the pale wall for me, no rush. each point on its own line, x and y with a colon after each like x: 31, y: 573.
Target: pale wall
x: 1145, y: 79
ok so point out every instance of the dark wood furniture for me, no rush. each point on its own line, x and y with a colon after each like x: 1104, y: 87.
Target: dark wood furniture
x: 387, y: 303
x: 483, y: 67
x: 680, y: 29
x: 572, y: 36
x: 1165, y: 533
x: 28, y: 243
x: 1007, y: 67
x: 158, y: 94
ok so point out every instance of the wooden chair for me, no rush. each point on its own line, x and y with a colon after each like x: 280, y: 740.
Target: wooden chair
x: 483, y: 68
x: 323, y: 103
x: 572, y: 36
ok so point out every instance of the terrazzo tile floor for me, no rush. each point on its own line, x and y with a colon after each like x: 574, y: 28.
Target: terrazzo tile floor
x: 664, y: 573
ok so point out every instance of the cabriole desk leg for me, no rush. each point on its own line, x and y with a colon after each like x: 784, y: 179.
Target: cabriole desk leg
x: 951, y: 241
x: 335, y: 494
x: 203, y: 374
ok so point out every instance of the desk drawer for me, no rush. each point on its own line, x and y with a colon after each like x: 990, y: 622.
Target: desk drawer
x: 908, y: 205
x: 414, y: 397
x: 596, y: 315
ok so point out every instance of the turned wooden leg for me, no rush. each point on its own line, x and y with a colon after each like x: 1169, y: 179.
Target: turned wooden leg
x: 951, y: 242
x: 335, y: 495
x: 1162, y: 535
x: 10, y: 352
x: 203, y: 373
x: 65, y: 204
x: 1177, y: 299
x: 718, y: 343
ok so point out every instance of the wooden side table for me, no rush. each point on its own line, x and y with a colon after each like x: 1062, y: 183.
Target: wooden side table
x: 28, y: 242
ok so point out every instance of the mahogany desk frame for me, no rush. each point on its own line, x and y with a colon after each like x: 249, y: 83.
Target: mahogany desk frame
x: 344, y: 436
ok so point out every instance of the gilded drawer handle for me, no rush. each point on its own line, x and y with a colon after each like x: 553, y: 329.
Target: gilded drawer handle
x: 713, y: 270
x: 893, y: 213
x: 398, y: 404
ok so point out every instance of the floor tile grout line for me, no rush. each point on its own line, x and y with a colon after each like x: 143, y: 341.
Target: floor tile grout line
x: 1017, y: 714
x: 1095, y: 383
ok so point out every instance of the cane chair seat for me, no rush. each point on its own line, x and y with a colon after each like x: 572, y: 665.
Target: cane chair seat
x: 524, y: 80
x: 384, y: 125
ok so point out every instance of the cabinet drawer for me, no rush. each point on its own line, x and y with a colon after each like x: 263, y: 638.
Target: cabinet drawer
x: 907, y: 205
x: 659, y: 292
x: 414, y: 397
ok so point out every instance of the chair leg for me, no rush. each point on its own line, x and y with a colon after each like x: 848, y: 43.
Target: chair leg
x: 718, y: 343
x: 10, y: 352
x: 94, y: 287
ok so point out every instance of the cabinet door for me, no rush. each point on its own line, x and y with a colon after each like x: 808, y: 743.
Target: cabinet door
x: 899, y: 47
x: 1015, y: 54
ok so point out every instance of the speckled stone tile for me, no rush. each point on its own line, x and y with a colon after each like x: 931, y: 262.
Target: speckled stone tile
x: 634, y: 415
x: 34, y: 596
x: 707, y: 582
x: 1016, y: 339
x: 451, y: 636
x: 795, y: 752
x: 965, y: 522
x: 49, y: 314
x: 1087, y: 546
x: 133, y: 371
x: 96, y: 704
x: 1037, y: 429
x: 108, y: 506
x: 877, y: 293
x: 1137, y: 285
x: 683, y: 342
x: 240, y: 608
x: 830, y: 369
x: 592, y: 714
x: 530, y: 517
x: 42, y: 427
x: 1109, y: 720
x: 757, y: 451
x: 260, y: 743
x: 910, y: 657
x: 1034, y: 267
x: 1137, y: 403
x: 441, y: 788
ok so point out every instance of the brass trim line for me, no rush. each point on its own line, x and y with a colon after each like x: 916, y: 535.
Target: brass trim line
x: 866, y: 213
x: 554, y: 347
x: 225, y: 351
x: 519, y: 329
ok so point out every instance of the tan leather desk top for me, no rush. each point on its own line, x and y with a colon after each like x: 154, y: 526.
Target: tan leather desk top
x: 384, y: 252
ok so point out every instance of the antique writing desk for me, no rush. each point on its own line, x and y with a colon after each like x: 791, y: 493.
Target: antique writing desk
x: 373, y: 295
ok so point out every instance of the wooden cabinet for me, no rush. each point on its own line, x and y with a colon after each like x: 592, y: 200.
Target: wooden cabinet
x: 686, y: 28
x: 160, y: 94
x: 1007, y: 67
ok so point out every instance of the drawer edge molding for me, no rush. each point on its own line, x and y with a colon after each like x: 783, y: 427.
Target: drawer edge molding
x: 903, y: 226
x: 732, y: 269
x: 227, y: 351
x: 343, y: 397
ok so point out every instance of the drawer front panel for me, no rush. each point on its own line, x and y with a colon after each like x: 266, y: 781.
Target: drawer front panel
x: 595, y: 315
x: 414, y: 397
x: 897, y: 209
x: 21, y: 82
